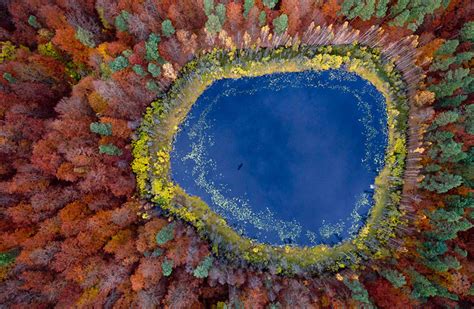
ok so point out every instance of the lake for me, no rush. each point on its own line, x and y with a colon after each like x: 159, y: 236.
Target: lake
x: 285, y: 158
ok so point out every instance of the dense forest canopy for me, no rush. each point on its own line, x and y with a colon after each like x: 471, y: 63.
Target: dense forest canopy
x: 76, y: 79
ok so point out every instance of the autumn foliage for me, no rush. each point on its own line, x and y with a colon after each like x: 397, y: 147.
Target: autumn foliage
x: 75, y: 233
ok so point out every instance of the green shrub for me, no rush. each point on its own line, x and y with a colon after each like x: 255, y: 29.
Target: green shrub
x: 127, y: 53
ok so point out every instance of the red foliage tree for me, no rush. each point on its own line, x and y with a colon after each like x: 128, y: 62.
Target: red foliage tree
x: 386, y: 296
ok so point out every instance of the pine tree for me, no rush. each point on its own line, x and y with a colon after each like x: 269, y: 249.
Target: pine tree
x: 213, y: 24
x: 9, y: 77
x: 7, y: 258
x: 443, y: 230
x: 151, y: 48
x: 165, y: 234
x: 110, y: 149
x: 359, y: 293
x: 460, y: 202
x: 220, y: 12
x: 121, y: 21
x: 424, y: 288
x: 101, y: 128
x: 467, y: 32
x: 432, y: 249
x: 208, y: 7
x: 449, y: 215
x: 85, y: 37
x: 412, y: 12
x: 452, y: 101
x: 167, y: 28
x: 448, y: 47
x: 441, y: 182
x: 382, y: 6
x: 152, y: 86
x: 451, y: 151
x: 248, y: 5
x: 118, y: 64
x: 154, y: 69
x: 167, y: 267
x: 442, y: 264
x: 262, y: 19
x: 270, y: 3
x: 280, y: 24
x: 202, y: 270
x: 33, y: 22
x: 396, y: 278
x: 446, y: 118
x: 138, y: 69
x: 469, y: 118
x: 453, y: 80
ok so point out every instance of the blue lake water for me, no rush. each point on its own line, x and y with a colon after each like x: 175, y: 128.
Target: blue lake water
x: 285, y: 158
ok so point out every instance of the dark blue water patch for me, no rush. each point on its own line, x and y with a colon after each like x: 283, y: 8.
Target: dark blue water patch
x: 285, y: 158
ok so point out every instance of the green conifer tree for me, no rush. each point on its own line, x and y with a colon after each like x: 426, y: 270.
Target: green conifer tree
x: 165, y: 234
x: 280, y: 24
x: 167, y: 28
x: 101, y: 128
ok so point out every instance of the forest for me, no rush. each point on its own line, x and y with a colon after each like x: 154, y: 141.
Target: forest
x: 91, y: 93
